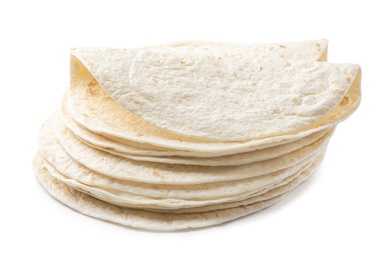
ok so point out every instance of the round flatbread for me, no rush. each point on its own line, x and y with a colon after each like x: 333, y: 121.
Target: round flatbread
x: 159, y: 173
x: 136, y: 218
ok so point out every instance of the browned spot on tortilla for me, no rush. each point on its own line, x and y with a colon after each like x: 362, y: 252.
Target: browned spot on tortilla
x: 348, y: 79
x: 318, y: 45
x: 282, y: 46
x: 91, y: 87
x: 261, y: 68
x: 182, y: 62
x: 235, y: 74
x: 344, y: 101
x: 271, y: 48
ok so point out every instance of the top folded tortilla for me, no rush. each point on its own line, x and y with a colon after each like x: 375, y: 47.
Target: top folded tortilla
x: 216, y: 92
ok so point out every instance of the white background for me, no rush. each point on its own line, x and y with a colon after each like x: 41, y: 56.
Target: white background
x: 342, y: 212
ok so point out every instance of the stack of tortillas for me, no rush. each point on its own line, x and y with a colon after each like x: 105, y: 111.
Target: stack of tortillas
x: 192, y: 134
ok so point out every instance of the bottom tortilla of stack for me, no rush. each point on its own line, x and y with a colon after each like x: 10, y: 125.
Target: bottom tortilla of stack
x: 167, y: 197
x: 144, y: 219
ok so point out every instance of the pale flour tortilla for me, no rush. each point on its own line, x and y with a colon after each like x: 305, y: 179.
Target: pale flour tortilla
x: 146, y: 172
x: 57, y: 156
x: 89, y: 106
x: 236, y: 159
x: 68, y: 167
x: 128, y: 200
x: 127, y: 147
x: 145, y: 133
x: 263, y: 94
x: 275, y: 190
x: 73, y: 170
x: 220, y: 201
x: 124, y: 199
x: 199, y: 94
x: 140, y: 218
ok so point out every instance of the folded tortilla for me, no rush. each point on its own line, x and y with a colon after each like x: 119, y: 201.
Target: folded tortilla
x: 218, y: 96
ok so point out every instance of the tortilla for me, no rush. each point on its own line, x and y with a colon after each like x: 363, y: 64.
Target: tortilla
x: 207, y: 88
x: 192, y: 134
x: 277, y: 189
x: 147, y: 172
x: 68, y: 167
x: 236, y: 159
x: 129, y: 200
x: 88, y: 98
x: 136, y: 218
x: 124, y: 147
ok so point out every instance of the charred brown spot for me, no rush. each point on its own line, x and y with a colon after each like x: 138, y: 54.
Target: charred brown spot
x: 282, y: 46
x: 344, y: 101
x: 92, y: 83
x: 91, y: 87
